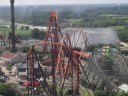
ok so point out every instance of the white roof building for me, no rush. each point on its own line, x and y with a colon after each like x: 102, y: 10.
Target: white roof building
x: 124, y: 87
x: 41, y: 28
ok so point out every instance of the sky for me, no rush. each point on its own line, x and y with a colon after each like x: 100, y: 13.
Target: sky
x: 50, y: 2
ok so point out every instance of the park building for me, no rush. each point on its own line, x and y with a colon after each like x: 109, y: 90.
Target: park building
x: 12, y: 58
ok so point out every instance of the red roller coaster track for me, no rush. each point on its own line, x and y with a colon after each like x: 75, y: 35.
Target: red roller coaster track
x: 65, y: 62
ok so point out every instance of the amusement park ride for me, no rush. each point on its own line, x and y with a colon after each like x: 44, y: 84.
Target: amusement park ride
x: 61, y: 63
x: 65, y: 62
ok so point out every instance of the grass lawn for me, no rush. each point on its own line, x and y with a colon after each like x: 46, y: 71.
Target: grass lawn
x: 23, y: 32
x: 114, y: 16
x: 17, y: 31
x: 72, y: 20
x: 126, y: 20
x: 119, y: 27
x: 5, y: 31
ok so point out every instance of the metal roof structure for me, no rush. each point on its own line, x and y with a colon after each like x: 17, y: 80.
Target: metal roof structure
x: 95, y: 35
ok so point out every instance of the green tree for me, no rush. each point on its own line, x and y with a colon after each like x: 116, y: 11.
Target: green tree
x: 122, y: 94
x: 38, y: 17
x: 24, y: 28
x: 101, y: 92
x: 37, y: 34
x: 9, y: 67
x: 8, y: 89
x: 84, y: 83
x: 25, y: 49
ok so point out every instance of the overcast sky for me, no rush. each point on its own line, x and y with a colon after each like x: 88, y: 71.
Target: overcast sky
x: 44, y: 2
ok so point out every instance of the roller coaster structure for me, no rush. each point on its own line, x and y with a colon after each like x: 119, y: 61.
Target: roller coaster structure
x: 60, y: 63
x: 65, y: 60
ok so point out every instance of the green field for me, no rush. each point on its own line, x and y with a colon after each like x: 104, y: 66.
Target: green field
x: 23, y: 32
x: 17, y: 31
x: 72, y: 20
x: 119, y: 27
x: 112, y: 15
x: 5, y: 31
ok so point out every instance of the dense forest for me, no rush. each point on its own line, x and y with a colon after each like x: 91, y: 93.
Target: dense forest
x: 74, y: 15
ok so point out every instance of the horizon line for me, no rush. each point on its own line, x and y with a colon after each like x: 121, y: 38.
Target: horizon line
x: 66, y: 4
